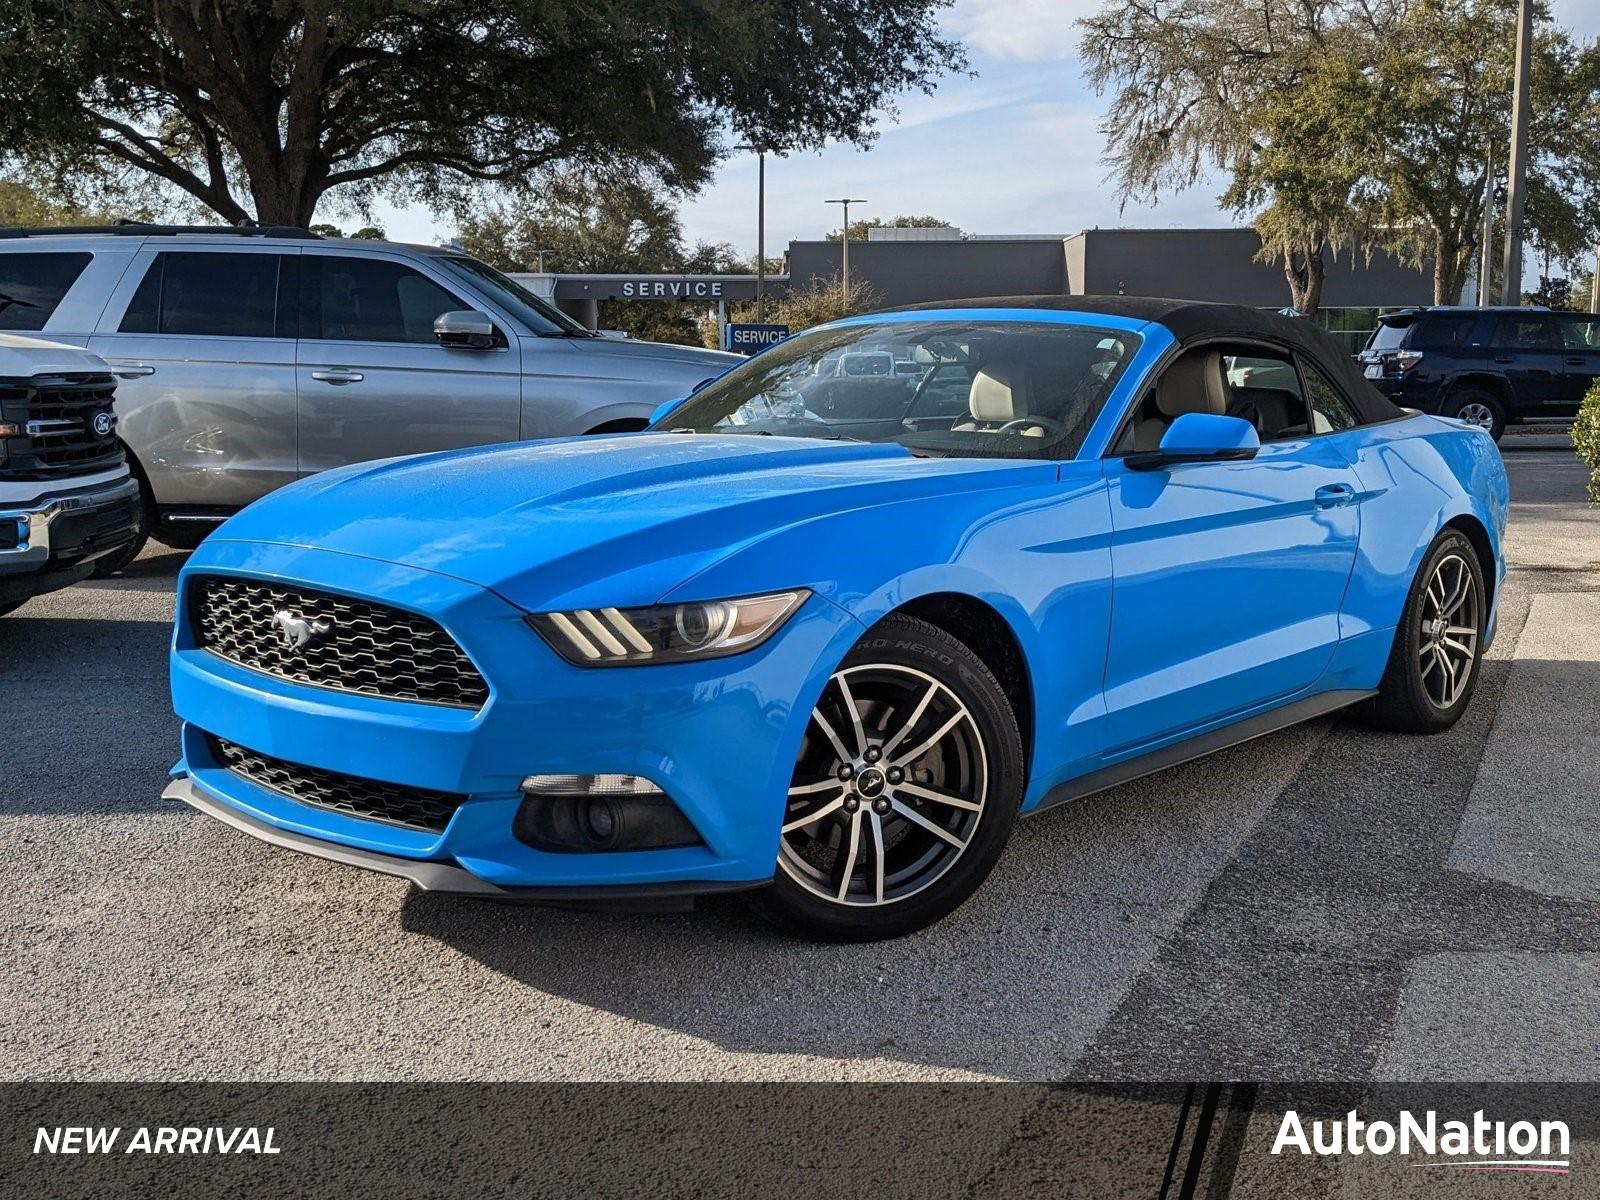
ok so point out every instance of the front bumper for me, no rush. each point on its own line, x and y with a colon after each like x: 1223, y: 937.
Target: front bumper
x: 52, y: 541
x: 719, y: 738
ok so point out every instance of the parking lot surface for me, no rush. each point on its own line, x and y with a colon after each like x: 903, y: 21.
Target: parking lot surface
x: 1325, y: 903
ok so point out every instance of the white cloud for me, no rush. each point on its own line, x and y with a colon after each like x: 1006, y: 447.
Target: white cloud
x: 1031, y: 30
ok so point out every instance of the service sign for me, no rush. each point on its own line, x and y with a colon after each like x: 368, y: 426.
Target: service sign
x: 751, y: 339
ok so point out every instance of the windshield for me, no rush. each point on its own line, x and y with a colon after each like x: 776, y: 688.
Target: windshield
x: 540, y: 316
x: 973, y: 388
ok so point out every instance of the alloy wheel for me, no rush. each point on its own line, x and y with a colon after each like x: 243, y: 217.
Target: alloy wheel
x: 1448, y: 647
x: 888, y: 790
x: 1475, y: 412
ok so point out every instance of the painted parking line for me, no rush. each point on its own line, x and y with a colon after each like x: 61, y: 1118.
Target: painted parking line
x: 1533, y: 819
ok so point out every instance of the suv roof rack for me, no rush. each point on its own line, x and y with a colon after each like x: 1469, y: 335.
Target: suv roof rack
x: 149, y: 229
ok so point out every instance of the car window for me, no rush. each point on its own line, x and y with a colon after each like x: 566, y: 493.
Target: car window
x: 1017, y: 389
x: 1580, y: 333
x: 218, y: 295
x: 351, y: 299
x: 538, y: 315
x: 32, y: 285
x: 1330, y: 411
x: 1390, y: 335
x: 1265, y: 390
x: 1441, y: 331
x: 1523, y: 333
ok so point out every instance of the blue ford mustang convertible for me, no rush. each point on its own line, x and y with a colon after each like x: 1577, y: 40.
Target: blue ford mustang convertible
x: 827, y: 628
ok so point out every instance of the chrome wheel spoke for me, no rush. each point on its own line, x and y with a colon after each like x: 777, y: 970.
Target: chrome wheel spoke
x: 912, y: 755
x: 926, y: 793
x: 917, y: 818
x: 833, y: 738
x: 855, y: 716
x: 811, y: 818
x: 811, y: 789
x: 877, y: 857
x: 911, y: 721
x: 853, y: 836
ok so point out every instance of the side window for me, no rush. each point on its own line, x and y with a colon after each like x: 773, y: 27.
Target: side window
x: 1442, y: 331
x: 1265, y: 390
x: 1523, y: 333
x: 217, y: 295
x: 31, y: 285
x: 1330, y: 411
x: 1581, y: 334
x: 351, y: 299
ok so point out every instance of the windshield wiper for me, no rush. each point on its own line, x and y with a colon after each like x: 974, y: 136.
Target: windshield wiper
x: 569, y: 333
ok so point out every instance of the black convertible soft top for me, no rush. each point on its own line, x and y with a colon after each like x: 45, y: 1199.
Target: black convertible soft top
x: 1197, y: 320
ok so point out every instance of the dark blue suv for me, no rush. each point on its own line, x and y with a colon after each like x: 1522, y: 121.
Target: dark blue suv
x: 1489, y: 366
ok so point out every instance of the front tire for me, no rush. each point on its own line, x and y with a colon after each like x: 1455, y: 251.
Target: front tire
x: 903, y: 794
x: 1438, y: 648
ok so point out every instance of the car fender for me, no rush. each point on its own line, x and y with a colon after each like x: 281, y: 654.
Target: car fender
x: 1418, y: 475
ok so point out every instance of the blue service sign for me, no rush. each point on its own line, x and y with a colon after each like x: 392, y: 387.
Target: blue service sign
x: 749, y: 339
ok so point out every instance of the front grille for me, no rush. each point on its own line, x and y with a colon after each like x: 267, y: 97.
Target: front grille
x: 391, y: 803
x: 344, y: 644
x: 57, y: 414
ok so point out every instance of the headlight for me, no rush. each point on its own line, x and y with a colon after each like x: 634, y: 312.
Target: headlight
x: 608, y: 637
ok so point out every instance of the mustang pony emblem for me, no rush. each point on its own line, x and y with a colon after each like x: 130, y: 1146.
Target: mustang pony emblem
x: 295, y: 632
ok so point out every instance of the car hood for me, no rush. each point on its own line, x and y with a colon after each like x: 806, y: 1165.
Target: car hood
x: 626, y: 358
x: 597, y: 520
x: 22, y: 357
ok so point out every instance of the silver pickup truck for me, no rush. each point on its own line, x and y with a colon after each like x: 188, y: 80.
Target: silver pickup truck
x: 250, y: 357
x: 66, y: 499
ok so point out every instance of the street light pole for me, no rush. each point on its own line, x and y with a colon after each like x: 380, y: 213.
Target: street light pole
x: 761, y: 227
x: 1517, y: 174
x: 1486, y: 250
x: 761, y: 237
x: 844, y: 243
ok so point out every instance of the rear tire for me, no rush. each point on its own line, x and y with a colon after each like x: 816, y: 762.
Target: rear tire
x: 1438, y: 648
x: 904, y: 792
x: 1477, y: 407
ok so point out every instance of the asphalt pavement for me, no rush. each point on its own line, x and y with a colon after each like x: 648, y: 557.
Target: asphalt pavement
x: 1325, y: 903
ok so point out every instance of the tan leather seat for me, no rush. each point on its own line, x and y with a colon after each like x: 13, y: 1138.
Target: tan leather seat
x: 1194, y: 383
x: 998, y: 396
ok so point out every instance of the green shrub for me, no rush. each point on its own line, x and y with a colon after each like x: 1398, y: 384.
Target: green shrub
x: 1586, y: 439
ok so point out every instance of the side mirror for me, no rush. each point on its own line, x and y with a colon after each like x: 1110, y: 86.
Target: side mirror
x: 465, y: 330
x: 1200, y: 437
x: 662, y: 410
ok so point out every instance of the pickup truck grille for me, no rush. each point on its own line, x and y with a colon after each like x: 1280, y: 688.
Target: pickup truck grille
x: 392, y: 803
x: 66, y: 423
x: 332, y: 641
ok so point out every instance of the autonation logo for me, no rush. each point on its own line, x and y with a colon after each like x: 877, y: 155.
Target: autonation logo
x: 1476, y: 1145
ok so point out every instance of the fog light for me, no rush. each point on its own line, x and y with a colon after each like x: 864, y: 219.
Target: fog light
x: 589, y: 813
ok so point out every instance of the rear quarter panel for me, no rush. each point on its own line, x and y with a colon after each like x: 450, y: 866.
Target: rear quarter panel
x: 1420, y: 473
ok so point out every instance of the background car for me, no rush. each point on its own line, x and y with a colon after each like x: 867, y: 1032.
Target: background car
x: 1488, y: 366
x: 253, y: 357
x: 753, y: 653
x: 66, y: 499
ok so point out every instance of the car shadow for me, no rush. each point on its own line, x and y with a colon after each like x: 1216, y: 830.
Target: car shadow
x: 1014, y: 983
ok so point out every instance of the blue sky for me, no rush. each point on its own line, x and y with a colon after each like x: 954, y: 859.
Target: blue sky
x: 1015, y: 149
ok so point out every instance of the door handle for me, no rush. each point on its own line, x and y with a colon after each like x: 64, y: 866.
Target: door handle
x: 131, y: 370
x: 1504, y: 358
x: 337, y: 375
x: 1577, y: 361
x: 1335, y: 495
